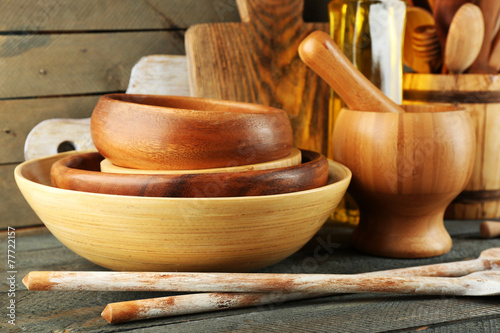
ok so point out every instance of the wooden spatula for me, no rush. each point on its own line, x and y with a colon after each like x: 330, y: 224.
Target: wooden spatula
x: 256, y: 61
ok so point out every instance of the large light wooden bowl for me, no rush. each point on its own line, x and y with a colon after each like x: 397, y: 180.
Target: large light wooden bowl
x: 179, y: 234
x: 406, y: 168
x: 184, y: 133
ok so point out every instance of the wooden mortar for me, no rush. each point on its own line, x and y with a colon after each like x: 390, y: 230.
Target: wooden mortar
x: 407, y: 167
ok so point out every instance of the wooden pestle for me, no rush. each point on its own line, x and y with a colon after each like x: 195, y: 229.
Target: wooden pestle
x: 323, y: 56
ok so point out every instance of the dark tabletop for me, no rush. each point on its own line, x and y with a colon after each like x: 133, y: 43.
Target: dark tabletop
x: 329, y: 251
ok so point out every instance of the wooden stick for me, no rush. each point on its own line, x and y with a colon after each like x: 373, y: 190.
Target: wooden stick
x: 196, y: 303
x: 490, y: 229
x: 251, y: 282
x: 193, y: 303
x: 489, y: 259
x: 206, y: 302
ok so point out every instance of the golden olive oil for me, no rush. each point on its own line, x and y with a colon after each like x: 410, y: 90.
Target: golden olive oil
x: 370, y: 34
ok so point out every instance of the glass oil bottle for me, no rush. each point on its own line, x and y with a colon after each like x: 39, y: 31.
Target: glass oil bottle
x: 370, y: 33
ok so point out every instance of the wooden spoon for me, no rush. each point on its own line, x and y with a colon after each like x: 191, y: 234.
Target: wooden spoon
x: 465, y: 38
x: 475, y: 284
x: 323, y: 56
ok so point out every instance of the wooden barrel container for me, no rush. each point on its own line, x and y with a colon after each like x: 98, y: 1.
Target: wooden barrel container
x: 479, y: 93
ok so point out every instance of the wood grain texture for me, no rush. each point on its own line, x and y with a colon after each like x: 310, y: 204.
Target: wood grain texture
x: 172, y: 234
x: 81, y: 172
x: 57, y: 135
x: 185, y: 133
x: 465, y: 38
x: 407, y: 168
x: 491, y: 12
x: 474, y: 284
x: 443, y: 12
x: 257, y: 61
x: 160, y: 74
x: 85, y: 46
x: 154, y: 74
x: 115, y: 15
x: 69, y: 64
x: 14, y: 209
x: 478, y: 94
x: 18, y: 117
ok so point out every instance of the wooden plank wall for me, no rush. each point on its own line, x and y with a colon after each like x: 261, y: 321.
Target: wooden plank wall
x: 57, y: 57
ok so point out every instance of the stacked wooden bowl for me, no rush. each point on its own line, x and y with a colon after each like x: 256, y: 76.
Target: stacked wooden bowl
x: 184, y: 184
x: 190, y: 147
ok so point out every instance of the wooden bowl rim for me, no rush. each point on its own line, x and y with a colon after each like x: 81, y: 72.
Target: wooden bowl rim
x: 81, y: 172
x: 294, y: 154
x: 338, y: 176
x: 200, y: 103
x: 146, y: 136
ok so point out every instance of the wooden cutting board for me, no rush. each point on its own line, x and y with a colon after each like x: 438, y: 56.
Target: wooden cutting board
x: 257, y: 61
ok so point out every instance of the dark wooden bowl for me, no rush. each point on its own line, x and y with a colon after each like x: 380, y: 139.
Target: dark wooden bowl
x: 187, y: 133
x: 81, y: 172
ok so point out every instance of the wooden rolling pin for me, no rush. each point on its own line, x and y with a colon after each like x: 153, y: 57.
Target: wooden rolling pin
x: 195, y: 303
x: 490, y: 229
x: 169, y: 306
x: 206, y: 302
x: 475, y: 284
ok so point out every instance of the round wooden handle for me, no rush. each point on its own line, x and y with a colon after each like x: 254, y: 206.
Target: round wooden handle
x: 490, y: 229
x: 323, y: 56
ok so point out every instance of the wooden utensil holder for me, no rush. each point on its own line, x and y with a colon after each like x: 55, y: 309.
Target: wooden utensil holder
x: 480, y: 94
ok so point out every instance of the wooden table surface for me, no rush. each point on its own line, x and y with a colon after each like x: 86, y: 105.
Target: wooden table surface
x: 328, y: 252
